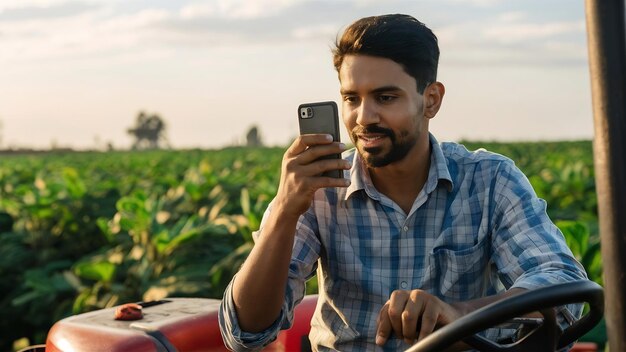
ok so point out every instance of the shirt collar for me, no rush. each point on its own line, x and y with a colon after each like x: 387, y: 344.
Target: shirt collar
x: 438, y: 171
x: 438, y: 167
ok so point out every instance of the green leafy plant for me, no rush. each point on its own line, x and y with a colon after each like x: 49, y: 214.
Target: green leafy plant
x: 83, y: 231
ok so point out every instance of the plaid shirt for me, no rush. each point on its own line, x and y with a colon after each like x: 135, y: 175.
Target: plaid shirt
x: 475, y: 228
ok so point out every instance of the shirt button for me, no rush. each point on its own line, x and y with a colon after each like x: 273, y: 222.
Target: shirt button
x: 404, y: 285
x: 405, y: 229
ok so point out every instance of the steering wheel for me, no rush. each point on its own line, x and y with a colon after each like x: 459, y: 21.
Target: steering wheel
x: 546, y: 337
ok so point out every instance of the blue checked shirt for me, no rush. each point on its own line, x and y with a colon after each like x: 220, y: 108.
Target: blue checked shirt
x: 476, y: 228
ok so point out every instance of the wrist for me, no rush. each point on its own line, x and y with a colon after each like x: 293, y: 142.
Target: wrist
x: 462, y: 308
x: 286, y: 210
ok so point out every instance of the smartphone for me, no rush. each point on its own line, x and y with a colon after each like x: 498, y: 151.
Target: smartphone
x: 321, y: 117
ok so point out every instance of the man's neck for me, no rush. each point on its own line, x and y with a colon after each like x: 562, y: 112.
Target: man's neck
x: 402, y: 181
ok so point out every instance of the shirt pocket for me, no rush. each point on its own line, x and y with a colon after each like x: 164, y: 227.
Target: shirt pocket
x: 460, y: 274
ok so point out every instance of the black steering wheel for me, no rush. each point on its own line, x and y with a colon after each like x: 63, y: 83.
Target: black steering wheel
x: 546, y: 335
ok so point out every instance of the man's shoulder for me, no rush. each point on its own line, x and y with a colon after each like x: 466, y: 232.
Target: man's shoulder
x: 461, y: 155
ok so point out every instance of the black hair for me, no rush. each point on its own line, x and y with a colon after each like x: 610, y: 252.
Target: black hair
x: 398, y: 37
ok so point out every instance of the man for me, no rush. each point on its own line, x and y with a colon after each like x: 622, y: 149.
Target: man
x: 420, y: 234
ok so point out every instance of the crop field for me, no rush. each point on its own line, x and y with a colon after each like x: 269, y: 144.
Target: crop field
x: 84, y: 231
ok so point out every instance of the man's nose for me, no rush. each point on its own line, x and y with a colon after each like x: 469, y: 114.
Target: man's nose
x: 367, y: 113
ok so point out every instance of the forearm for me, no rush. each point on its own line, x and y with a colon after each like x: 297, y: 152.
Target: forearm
x: 259, y: 287
x: 469, y: 306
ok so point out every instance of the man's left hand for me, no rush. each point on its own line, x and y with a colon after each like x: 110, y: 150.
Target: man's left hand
x: 407, y: 311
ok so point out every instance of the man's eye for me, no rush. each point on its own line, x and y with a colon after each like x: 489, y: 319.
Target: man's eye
x: 350, y: 99
x: 386, y: 98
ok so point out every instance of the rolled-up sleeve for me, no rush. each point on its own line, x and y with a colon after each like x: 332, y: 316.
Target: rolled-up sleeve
x: 529, y: 250
x: 237, y: 339
x: 301, y: 268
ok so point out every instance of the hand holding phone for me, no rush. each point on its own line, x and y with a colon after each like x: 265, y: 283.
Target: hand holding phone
x: 301, y: 168
x: 321, y: 117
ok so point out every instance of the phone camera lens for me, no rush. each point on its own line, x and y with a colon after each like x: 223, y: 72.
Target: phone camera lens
x: 306, y: 112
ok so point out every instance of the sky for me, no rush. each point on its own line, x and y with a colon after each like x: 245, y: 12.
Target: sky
x: 75, y: 73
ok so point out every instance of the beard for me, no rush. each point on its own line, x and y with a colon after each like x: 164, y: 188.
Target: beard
x: 377, y: 156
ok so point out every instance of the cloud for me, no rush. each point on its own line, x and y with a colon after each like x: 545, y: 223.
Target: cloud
x: 29, y: 10
x: 314, y: 31
x: 478, y: 3
x: 251, y: 22
x: 510, y: 33
x: 56, y: 29
x: 236, y: 9
x: 513, y: 16
x: 513, y: 38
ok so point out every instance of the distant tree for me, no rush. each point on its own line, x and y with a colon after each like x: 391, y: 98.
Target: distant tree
x: 253, y: 137
x: 149, y: 131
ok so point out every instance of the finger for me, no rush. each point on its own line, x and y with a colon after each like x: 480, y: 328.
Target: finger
x: 336, y: 182
x: 396, y: 308
x: 384, y: 325
x: 321, y: 151
x: 320, y: 166
x: 429, y: 319
x: 410, y: 317
x: 324, y: 182
x: 306, y: 140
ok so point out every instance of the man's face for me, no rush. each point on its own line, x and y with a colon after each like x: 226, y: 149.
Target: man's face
x: 381, y: 108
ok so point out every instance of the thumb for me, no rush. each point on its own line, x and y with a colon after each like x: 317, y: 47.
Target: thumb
x: 384, y: 325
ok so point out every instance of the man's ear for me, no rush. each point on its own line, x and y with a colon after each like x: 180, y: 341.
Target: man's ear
x: 433, y: 96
